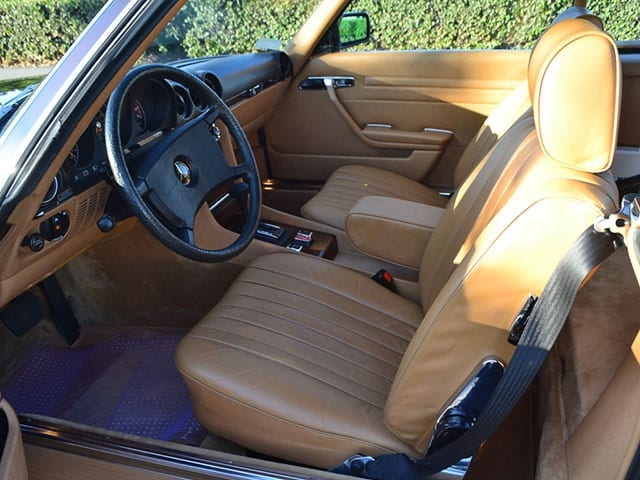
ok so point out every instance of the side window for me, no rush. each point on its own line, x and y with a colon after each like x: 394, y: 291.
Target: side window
x: 478, y: 24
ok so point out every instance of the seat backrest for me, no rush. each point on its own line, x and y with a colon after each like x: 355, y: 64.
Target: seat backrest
x: 502, y: 118
x: 511, y: 221
x: 507, y: 113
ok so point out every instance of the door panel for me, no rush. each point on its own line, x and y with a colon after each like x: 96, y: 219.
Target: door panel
x: 12, y: 462
x: 448, y: 93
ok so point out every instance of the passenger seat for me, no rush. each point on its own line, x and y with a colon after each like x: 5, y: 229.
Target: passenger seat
x: 348, y: 184
x: 312, y: 362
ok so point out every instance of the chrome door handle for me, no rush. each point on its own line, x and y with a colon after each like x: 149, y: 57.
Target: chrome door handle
x: 321, y: 83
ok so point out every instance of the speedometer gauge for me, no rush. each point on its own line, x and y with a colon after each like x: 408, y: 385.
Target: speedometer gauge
x: 81, y: 154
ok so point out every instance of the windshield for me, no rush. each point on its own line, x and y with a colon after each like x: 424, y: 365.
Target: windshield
x: 221, y: 27
x: 201, y: 28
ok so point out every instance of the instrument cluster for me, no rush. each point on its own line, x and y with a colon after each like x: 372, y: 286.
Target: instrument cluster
x: 84, y: 166
x: 151, y: 109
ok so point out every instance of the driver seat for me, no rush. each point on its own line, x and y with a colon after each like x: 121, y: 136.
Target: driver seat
x: 312, y: 362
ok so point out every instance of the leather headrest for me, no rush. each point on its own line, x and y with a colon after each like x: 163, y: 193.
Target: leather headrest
x: 574, y: 85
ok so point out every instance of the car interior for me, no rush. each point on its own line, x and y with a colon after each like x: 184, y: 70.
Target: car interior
x: 277, y: 260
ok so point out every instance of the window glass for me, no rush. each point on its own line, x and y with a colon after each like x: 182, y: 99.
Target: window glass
x: 34, y: 36
x: 480, y: 24
x: 218, y: 27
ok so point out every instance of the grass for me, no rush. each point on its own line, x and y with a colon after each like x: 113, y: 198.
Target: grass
x: 19, y: 83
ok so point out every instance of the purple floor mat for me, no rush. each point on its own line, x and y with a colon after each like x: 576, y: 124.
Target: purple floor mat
x: 128, y: 384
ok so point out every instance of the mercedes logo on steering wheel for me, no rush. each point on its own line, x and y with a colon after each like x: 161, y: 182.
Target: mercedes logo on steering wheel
x: 182, y: 171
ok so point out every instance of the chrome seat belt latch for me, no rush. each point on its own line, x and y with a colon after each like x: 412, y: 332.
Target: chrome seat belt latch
x: 620, y: 222
x: 625, y: 223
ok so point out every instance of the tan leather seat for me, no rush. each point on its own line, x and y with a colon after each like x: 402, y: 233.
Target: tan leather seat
x: 348, y: 184
x: 311, y: 362
x: 316, y: 328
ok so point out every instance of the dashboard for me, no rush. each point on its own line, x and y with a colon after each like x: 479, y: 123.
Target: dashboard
x: 53, y: 223
x: 151, y: 110
x: 86, y: 164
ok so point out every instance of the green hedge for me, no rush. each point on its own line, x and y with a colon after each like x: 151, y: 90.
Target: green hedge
x: 443, y: 24
x: 228, y: 26
x: 39, y: 31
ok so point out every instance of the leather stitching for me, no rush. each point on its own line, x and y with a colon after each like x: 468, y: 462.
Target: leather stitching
x: 323, y: 287
x: 265, y: 356
x: 337, y: 355
x: 340, y: 326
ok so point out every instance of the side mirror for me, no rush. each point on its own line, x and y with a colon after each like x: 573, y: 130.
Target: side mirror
x: 354, y: 28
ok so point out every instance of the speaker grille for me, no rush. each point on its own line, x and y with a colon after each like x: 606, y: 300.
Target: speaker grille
x: 90, y: 209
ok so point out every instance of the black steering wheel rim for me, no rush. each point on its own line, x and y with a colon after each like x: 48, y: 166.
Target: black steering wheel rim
x: 130, y: 192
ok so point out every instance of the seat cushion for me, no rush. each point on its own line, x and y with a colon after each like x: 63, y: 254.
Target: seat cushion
x: 298, y: 359
x: 349, y: 184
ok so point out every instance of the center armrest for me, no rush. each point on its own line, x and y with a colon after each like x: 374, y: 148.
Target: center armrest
x: 394, y: 230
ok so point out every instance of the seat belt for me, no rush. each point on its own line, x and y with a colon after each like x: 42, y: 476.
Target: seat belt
x: 542, y: 328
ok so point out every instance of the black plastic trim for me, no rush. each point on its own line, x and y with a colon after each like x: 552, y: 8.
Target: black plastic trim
x: 234, y: 75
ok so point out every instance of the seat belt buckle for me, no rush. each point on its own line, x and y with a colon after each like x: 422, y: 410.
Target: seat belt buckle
x: 521, y: 320
x: 385, y: 279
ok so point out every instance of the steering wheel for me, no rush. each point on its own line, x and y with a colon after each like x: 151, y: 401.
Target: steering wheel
x: 172, y: 180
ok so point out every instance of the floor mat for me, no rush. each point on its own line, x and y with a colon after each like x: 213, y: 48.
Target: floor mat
x: 128, y: 384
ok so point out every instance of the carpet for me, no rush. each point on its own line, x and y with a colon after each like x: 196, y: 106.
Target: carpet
x: 127, y: 383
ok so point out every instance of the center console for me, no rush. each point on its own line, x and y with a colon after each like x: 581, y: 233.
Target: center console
x: 297, y: 239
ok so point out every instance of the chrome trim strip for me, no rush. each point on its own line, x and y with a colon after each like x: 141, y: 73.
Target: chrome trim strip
x: 437, y: 130
x: 459, y: 470
x: 164, y: 460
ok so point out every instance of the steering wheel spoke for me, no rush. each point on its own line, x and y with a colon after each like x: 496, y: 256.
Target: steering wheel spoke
x: 173, y: 178
x: 185, y: 234
x: 141, y: 186
x: 212, y: 114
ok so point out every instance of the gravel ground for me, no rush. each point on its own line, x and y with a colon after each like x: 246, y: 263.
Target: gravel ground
x: 14, y: 73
